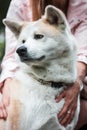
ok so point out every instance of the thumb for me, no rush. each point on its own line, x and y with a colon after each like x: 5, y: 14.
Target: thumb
x: 59, y: 97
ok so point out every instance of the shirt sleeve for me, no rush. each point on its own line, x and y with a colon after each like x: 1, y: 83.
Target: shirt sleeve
x: 77, y: 18
x: 9, y: 65
x: 81, y: 37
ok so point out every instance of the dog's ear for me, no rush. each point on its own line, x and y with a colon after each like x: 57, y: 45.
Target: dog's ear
x: 55, y: 16
x: 14, y: 26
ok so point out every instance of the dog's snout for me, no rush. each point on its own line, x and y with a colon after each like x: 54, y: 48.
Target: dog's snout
x: 22, y: 51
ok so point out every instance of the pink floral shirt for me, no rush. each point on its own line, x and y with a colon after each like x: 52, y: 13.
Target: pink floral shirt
x: 21, y: 10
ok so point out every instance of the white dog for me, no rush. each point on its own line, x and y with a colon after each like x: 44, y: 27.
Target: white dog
x: 47, y: 52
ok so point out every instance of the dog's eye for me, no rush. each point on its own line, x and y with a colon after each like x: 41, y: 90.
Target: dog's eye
x: 23, y: 41
x: 38, y: 36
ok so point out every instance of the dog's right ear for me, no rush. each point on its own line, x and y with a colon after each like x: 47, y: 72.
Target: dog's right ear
x: 14, y: 26
x: 55, y: 17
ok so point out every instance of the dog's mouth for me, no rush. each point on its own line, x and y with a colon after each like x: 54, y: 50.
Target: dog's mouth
x: 31, y: 59
x: 25, y: 56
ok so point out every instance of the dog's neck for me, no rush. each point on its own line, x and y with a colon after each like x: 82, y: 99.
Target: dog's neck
x: 54, y: 72
x: 52, y: 83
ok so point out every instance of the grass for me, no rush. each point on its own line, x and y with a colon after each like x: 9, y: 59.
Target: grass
x: 2, y: 44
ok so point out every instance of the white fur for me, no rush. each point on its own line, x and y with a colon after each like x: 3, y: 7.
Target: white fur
x: 33, y: 105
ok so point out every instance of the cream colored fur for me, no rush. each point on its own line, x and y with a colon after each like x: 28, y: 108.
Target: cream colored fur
x: 50, y: 56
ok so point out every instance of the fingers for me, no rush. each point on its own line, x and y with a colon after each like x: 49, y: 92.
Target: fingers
x: 64, y: 110
x: 70, y: 118
x: 72, y: 114
x: 6, y: 96
x: 3, y: 112
x: 3, y: 106
x: 6, y: 100
x: 67, y: 116
x: 65, y: 119
x: 58, y: 98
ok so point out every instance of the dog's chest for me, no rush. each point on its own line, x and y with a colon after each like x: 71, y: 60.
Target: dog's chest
x: 38, y: 102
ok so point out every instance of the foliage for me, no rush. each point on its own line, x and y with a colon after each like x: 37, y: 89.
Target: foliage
x: 4, y: 4
x: 3, y: 10
x: 2, y: 45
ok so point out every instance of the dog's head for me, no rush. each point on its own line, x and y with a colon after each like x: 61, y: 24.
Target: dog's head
x: 47, y: 46
x: 42, y: 40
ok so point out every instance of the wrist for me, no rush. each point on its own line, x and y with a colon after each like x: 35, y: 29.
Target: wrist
x: 79, y: 84
x: 81, y: 70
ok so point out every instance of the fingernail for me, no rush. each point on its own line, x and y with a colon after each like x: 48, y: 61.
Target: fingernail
x: 57, y: 100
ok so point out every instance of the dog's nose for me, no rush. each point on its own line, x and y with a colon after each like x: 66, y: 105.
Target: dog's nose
x: 22, y: 51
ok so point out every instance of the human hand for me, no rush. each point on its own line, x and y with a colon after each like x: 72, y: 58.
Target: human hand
x: 5, y: 100
x: 70, y: 95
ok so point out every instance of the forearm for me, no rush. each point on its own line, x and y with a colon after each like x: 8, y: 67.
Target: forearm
x: 81, y: 70
x: 80, y: 35
x: 9, y: 64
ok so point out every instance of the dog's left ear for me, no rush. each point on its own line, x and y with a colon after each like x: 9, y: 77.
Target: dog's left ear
x: 14, y: 26
x: 55, y: 16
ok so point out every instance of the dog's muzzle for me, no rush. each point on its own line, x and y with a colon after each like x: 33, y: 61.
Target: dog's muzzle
x: 24, y: 56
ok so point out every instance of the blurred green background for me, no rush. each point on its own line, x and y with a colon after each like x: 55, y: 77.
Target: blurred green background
x: 4, y: 4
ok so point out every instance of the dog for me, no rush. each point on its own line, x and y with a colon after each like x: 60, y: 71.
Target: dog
x: 46, y: 53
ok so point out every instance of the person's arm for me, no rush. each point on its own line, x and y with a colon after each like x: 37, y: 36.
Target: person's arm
x: 79, y: 30
x: 80, y: 34
x: 77, y: 18
x: 17, y: 11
